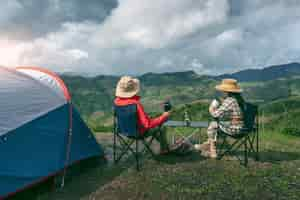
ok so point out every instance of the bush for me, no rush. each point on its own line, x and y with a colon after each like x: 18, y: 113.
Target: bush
x: 291, y: 131
x: 102, y: 128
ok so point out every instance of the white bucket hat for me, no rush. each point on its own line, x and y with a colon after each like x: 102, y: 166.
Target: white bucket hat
x: 127, y: 87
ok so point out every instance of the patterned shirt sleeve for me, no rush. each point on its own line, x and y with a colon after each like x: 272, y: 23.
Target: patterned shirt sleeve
x: 225, y: 107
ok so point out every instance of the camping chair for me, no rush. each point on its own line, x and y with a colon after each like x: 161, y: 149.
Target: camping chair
x: 248, y: 138
x: 126, y: 132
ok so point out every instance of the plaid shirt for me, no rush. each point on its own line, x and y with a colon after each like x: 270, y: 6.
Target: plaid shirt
x: 230, y: 116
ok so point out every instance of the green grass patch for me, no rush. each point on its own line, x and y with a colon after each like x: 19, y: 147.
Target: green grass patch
x: 275, y: 176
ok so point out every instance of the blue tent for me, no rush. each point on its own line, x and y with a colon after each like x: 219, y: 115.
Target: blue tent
x: 41, y: 133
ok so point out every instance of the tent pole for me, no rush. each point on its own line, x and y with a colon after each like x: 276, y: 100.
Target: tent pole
x: 69, y: 142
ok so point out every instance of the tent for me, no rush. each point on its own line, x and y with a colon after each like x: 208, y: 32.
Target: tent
x: 41, y: 133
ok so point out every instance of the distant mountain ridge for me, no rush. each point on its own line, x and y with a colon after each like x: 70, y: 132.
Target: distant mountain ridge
x: 93, y: 96
x: 265, y: 74
x: 187, y: 77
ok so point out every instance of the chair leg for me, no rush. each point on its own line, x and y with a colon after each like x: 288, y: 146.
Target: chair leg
x: 236, y: 145
x: 115, y: 148
x: 257, y: 146
x: 224, y: 152
x: 127, y: 147
x: 246, y: 152
x: 251, y: 143
x: 220, y: 149
x: 137, y: 155
x: 148, y: 148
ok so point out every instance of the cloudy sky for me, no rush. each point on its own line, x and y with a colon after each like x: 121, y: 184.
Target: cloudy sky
x: 138, y: 36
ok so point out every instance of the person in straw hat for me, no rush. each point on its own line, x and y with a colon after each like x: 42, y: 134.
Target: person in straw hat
x: 228, y: 112
x: 127, y: 92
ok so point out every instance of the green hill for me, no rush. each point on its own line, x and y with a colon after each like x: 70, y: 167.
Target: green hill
x: 282, y: 115
x: 94, y: 96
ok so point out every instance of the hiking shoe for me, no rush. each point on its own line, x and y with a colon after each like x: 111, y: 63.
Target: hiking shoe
x: 205, y: 154
x: 165, y: 152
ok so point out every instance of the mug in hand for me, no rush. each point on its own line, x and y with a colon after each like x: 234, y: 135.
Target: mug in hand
x: 215, y: 103
x: 167, y: 106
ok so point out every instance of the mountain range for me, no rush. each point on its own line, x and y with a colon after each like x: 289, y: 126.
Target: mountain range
x: 93, y: 96
x: 265, y: 74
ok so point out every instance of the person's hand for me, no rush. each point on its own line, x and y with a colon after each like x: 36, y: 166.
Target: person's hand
x: 167, y: 114
x: 212, y: 109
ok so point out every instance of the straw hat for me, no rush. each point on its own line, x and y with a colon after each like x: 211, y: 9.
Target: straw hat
x: 127, y: 87
x: 229, y: 85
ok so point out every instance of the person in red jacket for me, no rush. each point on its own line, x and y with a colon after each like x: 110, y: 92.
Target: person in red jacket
x: 126, y: 94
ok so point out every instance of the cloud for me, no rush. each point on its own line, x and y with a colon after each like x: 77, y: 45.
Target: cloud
x: 156, y: 24
x: 12, y: 8
x: 57, y: 50
x: 138, y: 36
x: 29, y: 19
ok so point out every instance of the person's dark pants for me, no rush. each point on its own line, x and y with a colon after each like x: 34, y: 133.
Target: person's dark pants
x: 160, y: 135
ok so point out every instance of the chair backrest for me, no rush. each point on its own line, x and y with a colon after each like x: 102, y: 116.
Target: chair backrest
x: 250, y: 116
x: 126, y: 120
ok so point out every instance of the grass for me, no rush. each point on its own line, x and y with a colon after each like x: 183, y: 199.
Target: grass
x: 275, y: 176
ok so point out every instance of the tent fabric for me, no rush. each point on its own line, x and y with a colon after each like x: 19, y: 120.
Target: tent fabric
x: 37, y: 146
x: 42, y: 150
x: 48, y: 78
x: 83, y: 143
x: 23, y: 99
x: 36, y: 141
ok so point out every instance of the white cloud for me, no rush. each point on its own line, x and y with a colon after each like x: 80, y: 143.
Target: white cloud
x: 156, y: 24
x: 129, y: 32
x: 229, y: 36
x: 226, y: 40
x: 171, y: 35
x: 78, y: 54
x: 59, y: 51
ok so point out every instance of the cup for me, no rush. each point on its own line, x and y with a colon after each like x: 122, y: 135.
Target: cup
x: 167, y: 106
x: 215, y: 103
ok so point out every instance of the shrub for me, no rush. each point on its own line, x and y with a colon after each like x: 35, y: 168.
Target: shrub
x: 102, y: 128
x: 291, y: 131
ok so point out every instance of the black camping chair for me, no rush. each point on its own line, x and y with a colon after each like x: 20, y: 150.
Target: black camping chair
x: 127, y: 133
x: 248, y: 138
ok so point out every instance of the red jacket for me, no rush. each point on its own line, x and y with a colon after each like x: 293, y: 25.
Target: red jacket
x: 144, y: 121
